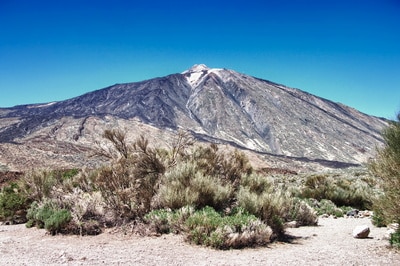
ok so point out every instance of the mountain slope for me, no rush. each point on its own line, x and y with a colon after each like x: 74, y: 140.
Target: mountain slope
x: 216, y: 105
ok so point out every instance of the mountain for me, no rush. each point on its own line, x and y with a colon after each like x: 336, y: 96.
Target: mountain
x: 215, y: 105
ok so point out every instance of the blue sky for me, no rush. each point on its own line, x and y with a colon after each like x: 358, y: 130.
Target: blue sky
x: 345, y: 51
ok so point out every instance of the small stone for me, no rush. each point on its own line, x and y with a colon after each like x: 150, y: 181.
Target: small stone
x: 394, y: 226
x: 361, y: 231
x: 292, y: 224
x: 366, y: 213
x: 352, y: 213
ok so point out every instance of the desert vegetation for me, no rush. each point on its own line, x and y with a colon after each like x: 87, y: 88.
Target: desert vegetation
x: 386, y: 167
x: 212, y: 196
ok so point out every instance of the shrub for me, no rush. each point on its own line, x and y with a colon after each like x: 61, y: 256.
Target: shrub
x: 39, y: 184
x: 302, y: 213
x: 259, y: 196
x: 229, y: 167
x: 13, y: 201
x: 160, y: 220
x: 57, y: 220
x: 208, y: 227
x: 167, y: 221
x: 269, y: 207
x: 386, y: 166
x: 395, y: 239
x: 185, y: 185
x: 326, y: 206
x: 342, y: 191
x: 87, y: 211
x: 378, y: 219
x: 47, y: 215
x: 129, y: 184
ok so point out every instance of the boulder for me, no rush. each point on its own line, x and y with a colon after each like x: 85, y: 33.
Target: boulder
x: 361, y: 231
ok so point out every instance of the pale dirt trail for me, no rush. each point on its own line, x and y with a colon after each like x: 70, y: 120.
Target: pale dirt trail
x: 330, y: 243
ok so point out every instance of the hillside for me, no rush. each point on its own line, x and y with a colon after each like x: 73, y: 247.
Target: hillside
x: 286, y: 126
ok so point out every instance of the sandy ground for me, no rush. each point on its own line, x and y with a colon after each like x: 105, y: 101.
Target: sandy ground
x: 330, y: 243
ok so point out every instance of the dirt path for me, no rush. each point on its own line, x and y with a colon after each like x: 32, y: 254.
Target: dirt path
x: 330, y: 243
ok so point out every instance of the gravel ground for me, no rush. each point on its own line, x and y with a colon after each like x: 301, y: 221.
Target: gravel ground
x: 330, y: 243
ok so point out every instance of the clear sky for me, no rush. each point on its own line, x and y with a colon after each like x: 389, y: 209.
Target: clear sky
x: 345, y: 51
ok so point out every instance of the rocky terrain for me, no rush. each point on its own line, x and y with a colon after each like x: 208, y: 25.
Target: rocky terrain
x: 286, y: 127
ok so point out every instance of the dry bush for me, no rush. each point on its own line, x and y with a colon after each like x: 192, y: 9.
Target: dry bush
x: 180, y: 149
x: 129, y: 184
x: 87, y: 211
x: 229, y: 167
x: 40, y: 184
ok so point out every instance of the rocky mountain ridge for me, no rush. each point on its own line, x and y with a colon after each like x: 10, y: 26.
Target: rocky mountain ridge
x: 217, y: 105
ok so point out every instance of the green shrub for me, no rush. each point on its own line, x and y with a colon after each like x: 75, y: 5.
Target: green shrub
x: 48, y: 216
x: 160, y: 220
x: 167, y: 221
x: 57, y: 220
x: 13, y: 201
x: 208, y: 227
x: 67, y: 174
x: 395, y: 239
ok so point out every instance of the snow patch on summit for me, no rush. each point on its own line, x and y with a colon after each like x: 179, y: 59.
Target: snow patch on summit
x: 196, y: 74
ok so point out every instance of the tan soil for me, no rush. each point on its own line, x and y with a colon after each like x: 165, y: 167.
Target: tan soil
x: 330, y: 243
